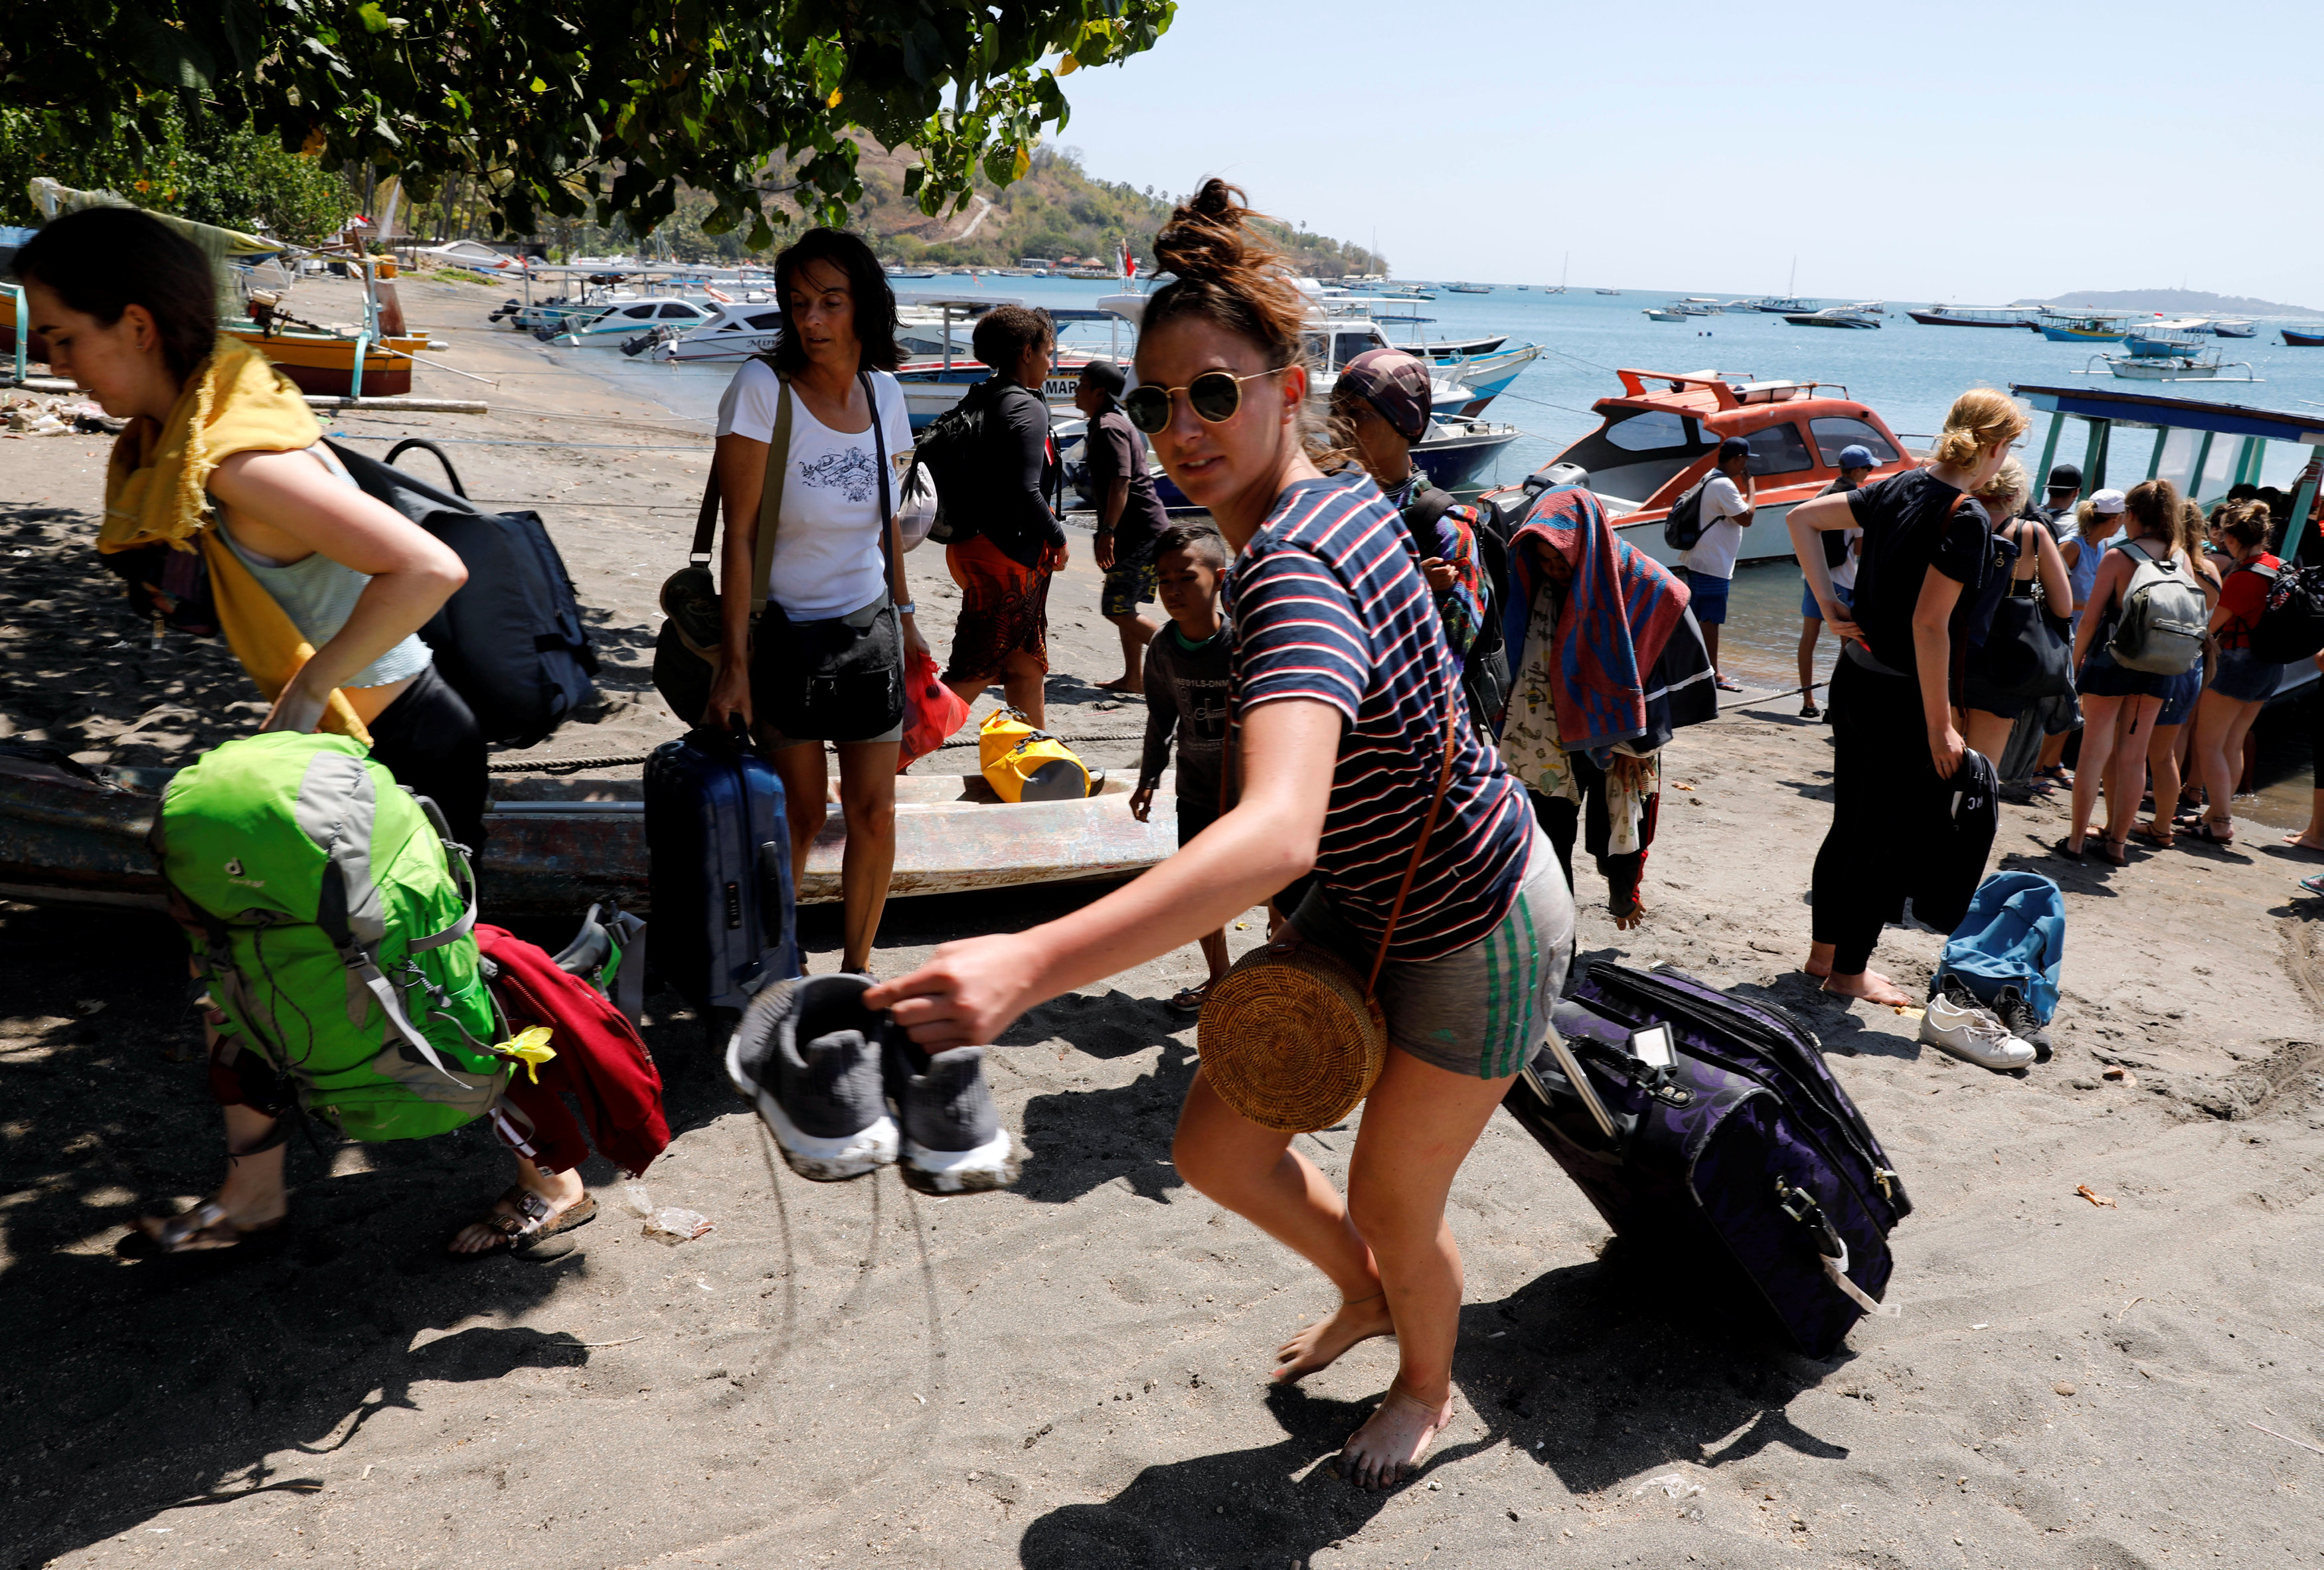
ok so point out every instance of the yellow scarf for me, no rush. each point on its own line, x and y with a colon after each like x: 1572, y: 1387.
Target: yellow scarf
x: 156, y: 493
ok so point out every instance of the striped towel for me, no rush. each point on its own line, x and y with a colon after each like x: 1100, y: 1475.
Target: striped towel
x: 1618, y: 614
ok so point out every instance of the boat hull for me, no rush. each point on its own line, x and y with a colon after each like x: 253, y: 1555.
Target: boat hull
x: 2293, y: 340
x: 326, y: 366
x: 69, y: 840
x: 1814, y: 319
x: 2081, y: 335
x: 1934, y: 319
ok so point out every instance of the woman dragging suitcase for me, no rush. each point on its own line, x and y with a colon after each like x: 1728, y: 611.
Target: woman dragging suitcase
x: 825, y: 662
x: 1342, y: 687
x: 320, y: 590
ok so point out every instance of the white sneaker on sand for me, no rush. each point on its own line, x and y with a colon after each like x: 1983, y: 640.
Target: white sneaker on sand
x: 1974, y: 1035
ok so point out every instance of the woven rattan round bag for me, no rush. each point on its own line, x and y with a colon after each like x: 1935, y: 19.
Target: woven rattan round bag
x: 1292, y: 1038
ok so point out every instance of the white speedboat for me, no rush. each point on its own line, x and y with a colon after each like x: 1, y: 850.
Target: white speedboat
x: 1665, y: 314
x: 1834, y: 317
x: 617, y: 326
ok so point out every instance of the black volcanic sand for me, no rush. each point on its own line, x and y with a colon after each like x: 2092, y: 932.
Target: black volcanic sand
x: 1072, y: 1373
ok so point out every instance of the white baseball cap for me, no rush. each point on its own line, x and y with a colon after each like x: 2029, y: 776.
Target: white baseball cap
x: 2108, y: 503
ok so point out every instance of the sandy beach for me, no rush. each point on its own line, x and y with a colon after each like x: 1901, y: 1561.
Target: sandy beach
x: 1074, y: 1373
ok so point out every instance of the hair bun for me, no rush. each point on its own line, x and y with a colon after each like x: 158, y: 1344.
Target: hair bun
x: 1210, y: 237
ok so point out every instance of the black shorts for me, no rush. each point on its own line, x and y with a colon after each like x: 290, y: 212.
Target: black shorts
x: 429, y: 740
x: 1194, y: 817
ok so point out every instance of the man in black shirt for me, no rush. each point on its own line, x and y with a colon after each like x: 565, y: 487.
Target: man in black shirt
x: 1130, y: 516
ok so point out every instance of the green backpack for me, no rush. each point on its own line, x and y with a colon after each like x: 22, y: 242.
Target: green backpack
x: 332, y: 919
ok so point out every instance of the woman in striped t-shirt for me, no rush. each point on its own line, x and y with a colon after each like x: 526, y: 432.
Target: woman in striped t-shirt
x: 1339, y: 683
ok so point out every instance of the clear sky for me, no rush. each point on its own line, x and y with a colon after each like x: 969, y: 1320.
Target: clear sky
x: 1970, y: 152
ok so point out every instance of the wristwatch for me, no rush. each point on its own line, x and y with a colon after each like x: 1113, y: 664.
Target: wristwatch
x: 908, y: 608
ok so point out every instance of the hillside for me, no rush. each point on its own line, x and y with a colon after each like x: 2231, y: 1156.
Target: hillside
x: 1057, y: 210
x: 2177, y: 302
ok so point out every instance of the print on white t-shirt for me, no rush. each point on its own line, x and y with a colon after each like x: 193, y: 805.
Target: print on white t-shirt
x: 827, y: 559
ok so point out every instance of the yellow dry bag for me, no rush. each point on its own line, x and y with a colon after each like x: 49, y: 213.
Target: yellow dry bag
x: 1025, y: 765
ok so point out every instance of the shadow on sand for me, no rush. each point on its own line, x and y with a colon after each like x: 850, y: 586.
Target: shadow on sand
x: 1591, y: 1377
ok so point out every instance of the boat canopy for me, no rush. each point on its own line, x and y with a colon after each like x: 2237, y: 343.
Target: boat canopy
x: 2188, y: 449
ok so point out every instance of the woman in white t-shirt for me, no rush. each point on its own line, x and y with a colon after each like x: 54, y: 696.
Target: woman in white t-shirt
x: 828, y: 566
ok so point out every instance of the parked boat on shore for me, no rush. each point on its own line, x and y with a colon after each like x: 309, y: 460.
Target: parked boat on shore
x: 1661, y: 432
x: 70, y: 835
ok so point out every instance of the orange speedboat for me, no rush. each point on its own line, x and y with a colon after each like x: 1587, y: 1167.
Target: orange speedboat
x: 1663, y: 431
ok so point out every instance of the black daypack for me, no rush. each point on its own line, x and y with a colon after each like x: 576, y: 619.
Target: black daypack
x: 510, y: 641
x: 2290, y: 625
x: 1485, y: 674
x: 151, y: 574
x: 1683, y: 525
x: 952, y: 452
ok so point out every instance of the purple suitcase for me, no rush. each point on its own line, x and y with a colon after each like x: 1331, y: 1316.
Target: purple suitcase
x: 1745, y: 1156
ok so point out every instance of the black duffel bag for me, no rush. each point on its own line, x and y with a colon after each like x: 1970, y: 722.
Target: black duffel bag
x: 2023, y: 656
x: 510, y: 641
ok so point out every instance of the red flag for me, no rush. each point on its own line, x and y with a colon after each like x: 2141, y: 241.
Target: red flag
x: 1129, y: 261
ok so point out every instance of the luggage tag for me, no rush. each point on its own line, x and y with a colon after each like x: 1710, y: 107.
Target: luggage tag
x: 1652, y: 1046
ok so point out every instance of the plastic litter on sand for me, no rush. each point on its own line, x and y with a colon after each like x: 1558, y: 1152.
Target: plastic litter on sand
x: 673, y: 1226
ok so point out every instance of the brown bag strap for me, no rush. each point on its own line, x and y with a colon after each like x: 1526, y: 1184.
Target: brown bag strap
x: 1427, y: 825
x: 1427, y: 828
x: 770, y: 502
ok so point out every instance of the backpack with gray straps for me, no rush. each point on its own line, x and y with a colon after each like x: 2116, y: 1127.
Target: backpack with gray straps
x: 2163, y: 617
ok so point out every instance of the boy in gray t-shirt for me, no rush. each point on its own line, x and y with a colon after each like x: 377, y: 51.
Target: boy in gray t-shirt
x: 1187, y: 698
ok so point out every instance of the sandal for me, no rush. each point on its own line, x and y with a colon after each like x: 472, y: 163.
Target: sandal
x: 1724, y: 686
x: 204, y: 1229
x: 2065, y: 848
x: 1808, y: 710
x: 1190, y: 999
x: 2055, y: 775
x: 531, y: 1222
x: 2146, y: 832
x: 2113, y: 852
x: 2204, y: 830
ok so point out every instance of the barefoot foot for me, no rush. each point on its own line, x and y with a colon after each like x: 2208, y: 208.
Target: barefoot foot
x: 1319, y: 1344
x: 1868, y: 985
x: 1818, y: 963
x: 1394, y: 1440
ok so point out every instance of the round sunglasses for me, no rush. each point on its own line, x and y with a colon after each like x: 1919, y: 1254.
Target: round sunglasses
x: 1213, y: 396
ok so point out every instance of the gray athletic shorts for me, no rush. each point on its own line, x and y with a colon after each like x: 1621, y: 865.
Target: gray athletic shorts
x: 1483, y: 1010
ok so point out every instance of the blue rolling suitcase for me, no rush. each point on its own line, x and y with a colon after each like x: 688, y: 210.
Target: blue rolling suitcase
x: 1708, y: 1131
x: 720, y: 871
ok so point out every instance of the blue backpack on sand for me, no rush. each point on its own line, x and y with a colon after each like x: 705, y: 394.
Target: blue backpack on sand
x: 2014, y: 935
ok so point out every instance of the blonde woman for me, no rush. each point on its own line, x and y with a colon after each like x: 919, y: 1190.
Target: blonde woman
x: 1927, y: 548
x: 1987, y: 713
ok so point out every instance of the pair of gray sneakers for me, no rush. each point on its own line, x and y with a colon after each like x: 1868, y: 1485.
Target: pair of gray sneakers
x: 822, y: 1070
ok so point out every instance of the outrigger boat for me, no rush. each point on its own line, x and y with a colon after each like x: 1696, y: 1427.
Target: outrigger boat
x: 1661, y: 432
x: 2205, y: 366
x: 71, y: 835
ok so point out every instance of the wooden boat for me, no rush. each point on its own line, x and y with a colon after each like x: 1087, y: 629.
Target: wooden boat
x: 2085, y: 329
x: 1661, y: 432
x: 2294, y: 339
x: 36, y: 347
x: 1943, y: 315
x: 75, y: 836
x: 325, y: 362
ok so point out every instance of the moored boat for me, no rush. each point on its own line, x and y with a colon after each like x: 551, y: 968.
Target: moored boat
x: 1944, y: 316
x: 1661, y: 432
x: 2299, y: 338
x: 1664, y: 313
x: 2177, y: 367
x: 1833, y: 316
x: 2097, y: 327
x: 1469, y: 288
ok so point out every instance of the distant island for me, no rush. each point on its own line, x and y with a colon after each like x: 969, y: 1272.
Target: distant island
x: 2177, y: 302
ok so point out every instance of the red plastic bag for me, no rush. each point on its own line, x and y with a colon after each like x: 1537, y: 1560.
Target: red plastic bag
x: 932, y: 711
